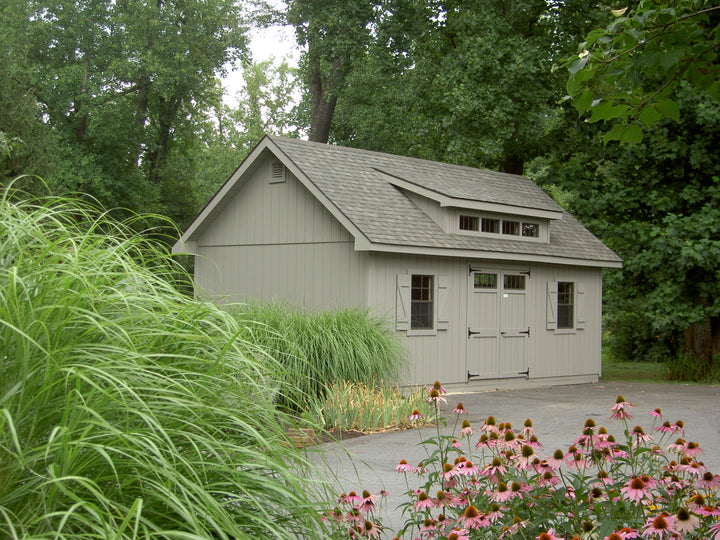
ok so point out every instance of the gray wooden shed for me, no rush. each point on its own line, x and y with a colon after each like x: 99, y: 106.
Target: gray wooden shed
x: 487, y: 280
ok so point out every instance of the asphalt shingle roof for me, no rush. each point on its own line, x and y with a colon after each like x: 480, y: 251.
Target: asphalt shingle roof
x: 356, y: 182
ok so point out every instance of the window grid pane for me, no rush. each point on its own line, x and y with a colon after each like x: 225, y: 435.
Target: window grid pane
x: 421, y: 306
x: 469, y: 223
x: 486, y: 281
x: 566, y: 307
x: 490, y: 225
x: 511, y: 227
x: 531, y: 230
x: 516, y: 283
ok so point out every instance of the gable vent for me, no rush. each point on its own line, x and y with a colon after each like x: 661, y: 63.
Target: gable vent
x: 277, y: 172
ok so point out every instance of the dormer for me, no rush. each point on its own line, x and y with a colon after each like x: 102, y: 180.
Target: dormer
x: 479, y: 218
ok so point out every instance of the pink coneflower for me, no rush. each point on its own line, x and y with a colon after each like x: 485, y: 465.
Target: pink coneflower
x: 685, y: 522
x: 667, y: 427
x: 368, y: 502
x: 420, y: 469
x: 640, y: 436
x: 467, y: 429
x: 693, y: 468
x: 351, y: 498
x: 447, y: 498
x: 692, y: 450
x: 466, y: 468
x: 527, y: 430
x: 510, y: 530
x: 714, y: 531
x: 557, y: 460
x: 416, y: 416
x: 404, y: 467
x: 549, y: 535
x: 709, y: 481
x: 459, y: 534
x: 439, y: 387
x: 472, y: 519
x: 659, y: 526
x: 429, y: 528
x: 494, y: 469
x: 657, y: 413
x: 502, y: 493
x: 618, y: 412
x: 490, y: 425
x: 524, y: 457
x: 627, y: 532
x: 707, y: 511
x: 678, y: 446
x: 455, y: 443
x: 547, y: 479
x: 635, y: 490
x: 460, y: 409
x: 435, y: 397
x: 370, y: 530
x: 424, y: 502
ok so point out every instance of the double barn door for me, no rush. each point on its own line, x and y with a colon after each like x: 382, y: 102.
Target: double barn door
x: 498, y: 331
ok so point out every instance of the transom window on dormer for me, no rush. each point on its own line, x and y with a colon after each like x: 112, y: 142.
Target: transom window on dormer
x: 490, y: 225
x: 469, y: 223
x: 510, y: 227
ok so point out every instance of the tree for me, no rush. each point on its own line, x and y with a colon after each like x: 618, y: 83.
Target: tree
x: 336, y: 34
x: 122, y: 85
x: 627, y: 72
x: 463, y: 82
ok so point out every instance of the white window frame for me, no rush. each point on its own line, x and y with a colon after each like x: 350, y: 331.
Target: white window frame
x: 551, y: 306
x: 541, y: 225
x: 403, y: 303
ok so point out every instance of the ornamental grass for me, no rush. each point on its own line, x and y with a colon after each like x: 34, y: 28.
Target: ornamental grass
x: 318, y: 350
x: 128, y: 410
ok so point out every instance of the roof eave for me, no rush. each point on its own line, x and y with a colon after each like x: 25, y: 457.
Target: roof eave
x: 491, y: 255
x: 454, y: 202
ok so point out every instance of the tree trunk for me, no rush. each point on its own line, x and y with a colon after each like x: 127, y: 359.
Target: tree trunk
x: 702, y: 340
x: 323, y: 94
x: 511, y: 164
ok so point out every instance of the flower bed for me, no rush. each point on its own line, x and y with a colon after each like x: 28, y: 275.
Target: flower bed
x: 497, y: 481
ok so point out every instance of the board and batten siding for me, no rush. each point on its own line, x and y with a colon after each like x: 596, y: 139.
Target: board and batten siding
x: 574, y: 353
x: 275, y: 241
x: 438, y: 356
x: 552, y: 356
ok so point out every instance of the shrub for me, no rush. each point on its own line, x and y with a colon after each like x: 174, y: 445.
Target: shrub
x: 128, y: 410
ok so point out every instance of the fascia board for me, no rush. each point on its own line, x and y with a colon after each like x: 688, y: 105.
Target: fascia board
x: 490, y: 255
x: 454, y: 202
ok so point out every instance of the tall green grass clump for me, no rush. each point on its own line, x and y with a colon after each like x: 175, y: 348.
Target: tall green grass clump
x: 128, y: 410
x: 320, y: 349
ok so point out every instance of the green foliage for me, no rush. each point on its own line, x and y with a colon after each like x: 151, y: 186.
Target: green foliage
x: 127, y: 409
x: 463, y: 82
x: 626, y: 73
x: 371, y: 408
x: 656, y: 204
x: 317, y: 350
x: 687, y: 367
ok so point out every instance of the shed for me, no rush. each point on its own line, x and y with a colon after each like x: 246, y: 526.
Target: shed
x: 487, y: 280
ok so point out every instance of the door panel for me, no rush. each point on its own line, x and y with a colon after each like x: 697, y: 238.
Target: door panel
x: 483, y: 325
x: 497, y: 329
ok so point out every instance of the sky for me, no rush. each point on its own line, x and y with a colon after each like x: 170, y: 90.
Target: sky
x: 277, y: 42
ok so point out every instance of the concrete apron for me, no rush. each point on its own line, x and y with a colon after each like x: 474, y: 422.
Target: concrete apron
x: 558, y: 415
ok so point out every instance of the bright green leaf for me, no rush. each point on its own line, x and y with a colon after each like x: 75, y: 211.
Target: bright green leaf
x: 669, y: 108
x: 650, y: 115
